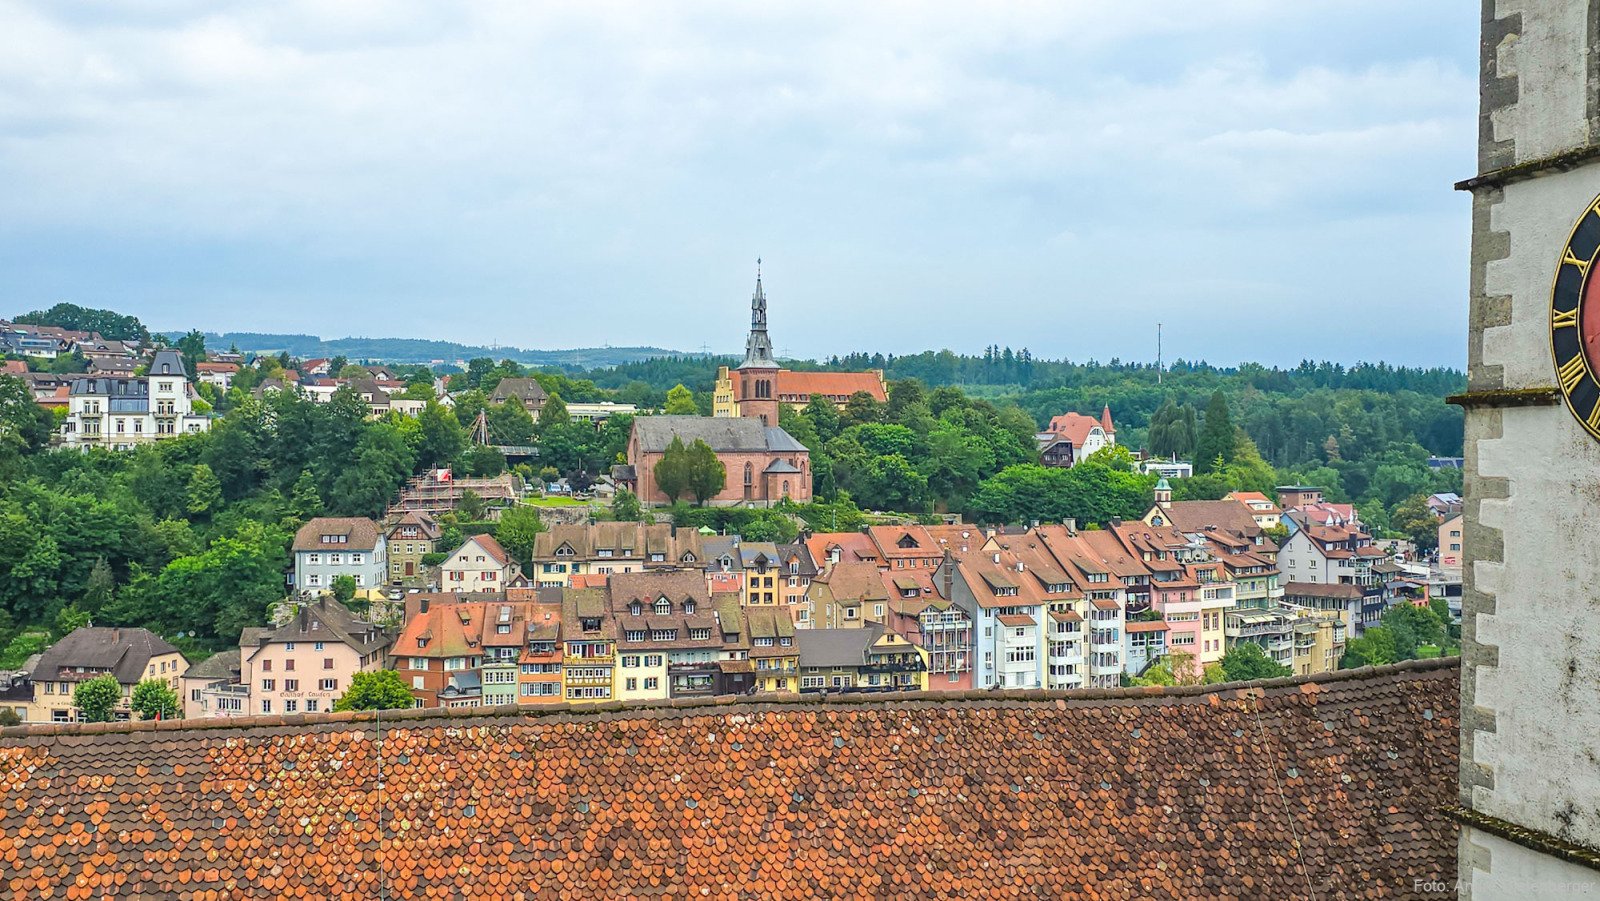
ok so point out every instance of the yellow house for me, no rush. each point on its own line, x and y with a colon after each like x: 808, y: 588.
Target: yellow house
x: 773, y: 649
x: 589, y: 645
x: 722, y: 397
x: 870, y: 658
x: 130, y: 655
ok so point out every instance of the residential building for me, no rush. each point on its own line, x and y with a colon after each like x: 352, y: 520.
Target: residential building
x: 328, y: 547
x: 472, y: 650
x: 1167, y: 469
x: 665, y: 626
x: 214, y: 687
x: 306, y: 664
x: 1199, y: 520
x: 589, y: 638
x: 525, y: 391
x: 1291, y: 496
x: 1319, y: 642
x: 612, y: 547
x: 1272, y: 630
x: 774, y: 649
x: 599, y: 411
x: 1073, y: 437
x: 120, y: 412
x: 933, y: 622
x: 1346, y: 600
x: 1266, y: 513
x: 1445, y: 504
x: 1450, y: 541
x: 846, y: 596
x: 480, y: 564
x: 1338, y: 555
x: 219, y: 375
x: 797, y: 388
x: 1146, y: 644
x: 130, y: 655
x: 412, y: 538
x: 764, y: 463
x: 867, y: 659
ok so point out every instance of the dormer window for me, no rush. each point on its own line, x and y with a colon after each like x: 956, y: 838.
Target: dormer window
x: 422, y: 642
x: 663, y: 607
x: 688, y: 558
x: 635, y: 609
x: 564, y: 551
x: 689, y: 607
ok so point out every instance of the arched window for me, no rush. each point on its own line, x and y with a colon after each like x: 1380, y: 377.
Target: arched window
x: 663, y: 606
x: 749, y: 474
x: 785, y: 487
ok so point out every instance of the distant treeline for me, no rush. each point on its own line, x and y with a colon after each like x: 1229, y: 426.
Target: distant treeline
x: 419, y: 350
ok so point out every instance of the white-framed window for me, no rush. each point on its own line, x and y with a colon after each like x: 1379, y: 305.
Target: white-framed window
x: 266, y: 705
x: 358, y: 559
x: 632, y: 684
x: 651, y: 683
x: 328, y: 685
x: 652, y: 660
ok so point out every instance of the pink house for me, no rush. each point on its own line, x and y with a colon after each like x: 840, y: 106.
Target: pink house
x: 305, y: 665
x: 480, y: 564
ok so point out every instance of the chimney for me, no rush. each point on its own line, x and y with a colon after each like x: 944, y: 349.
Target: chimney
x: 1116, y: 521
x: 423, y: 608
x: 949, y: 575
x: 1033, y: 524
x: 1071, y: 524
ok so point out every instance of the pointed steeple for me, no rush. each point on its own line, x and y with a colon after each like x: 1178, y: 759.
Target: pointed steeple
x: 758, y: 347
x: 1105, y: 420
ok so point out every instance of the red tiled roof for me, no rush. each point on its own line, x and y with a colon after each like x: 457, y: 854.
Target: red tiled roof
x: 1153, y: 625
x: 829, y: 384
x: 1074, y: 427
x: 1338, y: 780
x: 1017, y: 619
x: 361, y: 534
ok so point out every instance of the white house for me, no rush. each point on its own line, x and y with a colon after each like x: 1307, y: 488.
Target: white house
x: 328, y: 547
x: 122, y: 411
x: 480, y: 564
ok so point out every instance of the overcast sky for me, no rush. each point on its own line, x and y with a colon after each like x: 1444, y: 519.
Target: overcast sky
x: 1270, y: 180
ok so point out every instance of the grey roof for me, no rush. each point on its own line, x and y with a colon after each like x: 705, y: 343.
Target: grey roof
x: 781, y: 465
x: 328, y: 620
x: 722, y: 433
x: 221, y: 665
x: 124, y: 652
x: 112, y: 386
x: 522, y: 389
x: 836, y: 647
x: 168, y: 362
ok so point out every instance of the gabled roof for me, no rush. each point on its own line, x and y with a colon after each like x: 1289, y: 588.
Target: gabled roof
x: 360, y: 534
x: 124, y: 652
x: 837, y: 647
x: 324, y: 620
x: 426, y: 524
x: 1339, y: 779
x: 1194, y: 517
x: 1074, y: 427
x: 523, y: 389
x: 488, y: 544
x: 851, y: 582
x: 830, y: 384
x: 723, y: 434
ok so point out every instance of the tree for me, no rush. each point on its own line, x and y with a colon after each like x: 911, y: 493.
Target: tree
x: 97, y: 699
x: 344, y: 588
x: 70, y: 619
x: 516, y: 530
x: 152, y: 699
x: 483, y: 461
x: 1217, y: 440
x: 471, y: 507
x: 824, y: 417
x: 1172, y: 430
x: 304, y: 502
x: 553, y: 414
x: 24, y: 425
x: 193, y: 348
x: 707, y: 476
x: 625, y: 506
x: 672, y: 470
x: 861, y: 408
x: 99, y: 587
x: 1246, y: 661
x: 680, y: 402
x: 1374, y: 648
x: 1413, y: 518
x: 382, y: 463
x: 443, y: 436
x: 510, y: 423
x: 204, y: 492
x: 377, y: 690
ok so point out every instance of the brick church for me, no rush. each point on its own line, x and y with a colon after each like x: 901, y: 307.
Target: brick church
x: 764, y: 463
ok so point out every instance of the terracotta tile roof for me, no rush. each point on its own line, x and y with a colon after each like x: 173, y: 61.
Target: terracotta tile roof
x: 1016, y: 619
x: 1322, y: 590
x: 855, y: 582
x: 1199, y: 516
x: 801, y: 385
x: 1153, y: 625
x: 1074, y: 427
x: 361, y: 534
x: 1336, y: 781
x: 854, y: 547
x: 904, y: 542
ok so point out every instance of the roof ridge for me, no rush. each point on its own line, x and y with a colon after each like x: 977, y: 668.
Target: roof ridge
x: 739, y: 702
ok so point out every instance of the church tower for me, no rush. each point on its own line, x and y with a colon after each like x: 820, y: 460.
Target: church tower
x: 757, y: 376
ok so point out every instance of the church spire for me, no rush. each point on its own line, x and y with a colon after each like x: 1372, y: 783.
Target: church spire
x: 758, y: 347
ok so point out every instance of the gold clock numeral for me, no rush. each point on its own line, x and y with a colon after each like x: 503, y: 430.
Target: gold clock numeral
x: 1565, y: 318
x: 1572, y: 372
x: 1594, y: 417
x: 1569, y: 259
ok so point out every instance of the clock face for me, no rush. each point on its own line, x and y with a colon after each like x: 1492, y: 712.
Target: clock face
x: 1575, y: 321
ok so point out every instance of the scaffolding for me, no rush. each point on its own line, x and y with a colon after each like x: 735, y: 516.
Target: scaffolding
x: 440, y: 491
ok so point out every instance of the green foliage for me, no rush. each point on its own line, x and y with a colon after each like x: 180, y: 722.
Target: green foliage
x: 752, y: 524
x: 444, y: 438
x: 1088, y: 492
x: 70, y: 618
x: 204, y: 492
x: 1414, y: 520
x: 553, y: 414
x: 516, y: 530
x: 706, y: 474
x: 153, y: 699
x: 97, y: 699
x: 108, y: 323
x: 379, y: 690
x: 680, y: 402
x: 435, y: 558
x: 672, y: 470
x: 625, y: 506
x: 1246, y: 661
x: 482, y: 461
x: 471, y: 506
x: 193, y: 348
x: 344, y: 588
x: 1172, y: 430
x: 1216, y: 443
x: 9, y: 717
x: 21, y: 647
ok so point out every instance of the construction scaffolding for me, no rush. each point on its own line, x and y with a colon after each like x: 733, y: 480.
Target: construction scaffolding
x: 440, y: 491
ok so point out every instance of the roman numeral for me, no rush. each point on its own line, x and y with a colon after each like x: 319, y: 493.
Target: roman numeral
x: 1565, y: 318
x: 1594, y: 417
x: 1572, y: 372
x: 1568, y: 259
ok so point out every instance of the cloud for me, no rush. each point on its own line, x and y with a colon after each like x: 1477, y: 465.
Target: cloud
x: 374, y: 166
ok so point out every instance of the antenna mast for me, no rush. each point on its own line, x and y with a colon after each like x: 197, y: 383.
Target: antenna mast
x: 1158, y: 353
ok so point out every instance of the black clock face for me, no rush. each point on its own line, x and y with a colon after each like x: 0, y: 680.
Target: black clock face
x: 1575, y: 321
